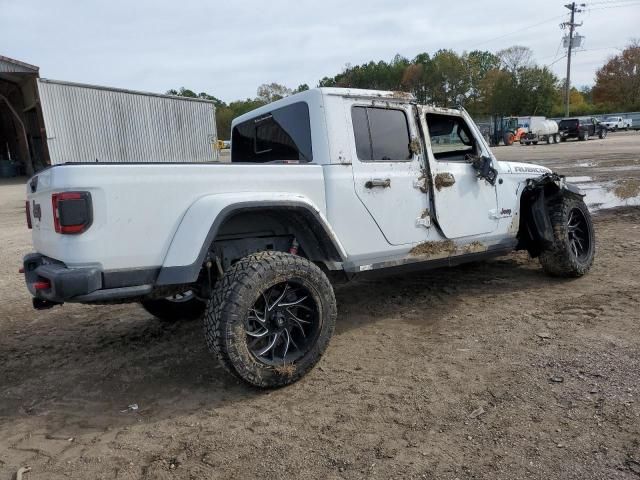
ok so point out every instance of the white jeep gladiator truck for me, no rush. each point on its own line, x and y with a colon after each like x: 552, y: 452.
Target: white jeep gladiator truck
x: 323, y: 186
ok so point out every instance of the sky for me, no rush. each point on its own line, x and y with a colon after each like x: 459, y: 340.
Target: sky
x: 228, y: 49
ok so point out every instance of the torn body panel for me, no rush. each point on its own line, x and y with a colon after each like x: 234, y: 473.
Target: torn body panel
x: 536, y: 231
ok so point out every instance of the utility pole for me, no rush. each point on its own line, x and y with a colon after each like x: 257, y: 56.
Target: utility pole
x: 572, y: 25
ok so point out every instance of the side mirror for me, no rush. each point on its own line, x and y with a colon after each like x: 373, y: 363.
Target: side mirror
x: 484, y: 169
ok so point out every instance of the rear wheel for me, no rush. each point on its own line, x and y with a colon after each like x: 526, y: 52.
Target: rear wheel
x: 573, y: 249
x: 182, y: 306
x: 270, y: 318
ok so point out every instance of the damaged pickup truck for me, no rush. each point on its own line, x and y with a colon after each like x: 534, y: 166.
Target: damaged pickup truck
x: 323, y: 186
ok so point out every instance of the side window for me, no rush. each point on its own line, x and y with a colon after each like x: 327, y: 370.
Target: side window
x: 283, y: 134
x: 451, y: 137
x: 381, y: 134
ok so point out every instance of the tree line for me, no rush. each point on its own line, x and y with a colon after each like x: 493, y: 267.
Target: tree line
x: 506, y: 82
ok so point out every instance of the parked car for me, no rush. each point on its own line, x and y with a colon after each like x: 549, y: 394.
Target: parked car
x: 323, y: 186
x: 581, y: 128
x: 617, y: 123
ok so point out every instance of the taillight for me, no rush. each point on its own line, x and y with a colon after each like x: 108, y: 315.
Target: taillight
x: 72, y: 212
x: 27, y: 210
x: 43, y: 284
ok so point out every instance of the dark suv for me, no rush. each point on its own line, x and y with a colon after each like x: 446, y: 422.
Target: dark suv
x: 581, y: 128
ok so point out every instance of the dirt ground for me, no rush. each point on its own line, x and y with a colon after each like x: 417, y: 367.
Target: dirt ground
x: 488, y: 370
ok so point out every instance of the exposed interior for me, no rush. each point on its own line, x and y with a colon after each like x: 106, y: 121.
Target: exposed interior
x: 451, y: 137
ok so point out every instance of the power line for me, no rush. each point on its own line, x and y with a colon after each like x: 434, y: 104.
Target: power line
x: 610, y: 2
x: 556, y: 61
x: 521, y: 29
x: 613, y: 6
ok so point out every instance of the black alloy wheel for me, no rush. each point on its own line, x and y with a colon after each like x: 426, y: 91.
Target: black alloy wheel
x: 282, y: 324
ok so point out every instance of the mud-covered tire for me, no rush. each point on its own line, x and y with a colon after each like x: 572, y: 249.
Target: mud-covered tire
x: 238, y: 291
x: 561, y: 260
x: 173, y: 311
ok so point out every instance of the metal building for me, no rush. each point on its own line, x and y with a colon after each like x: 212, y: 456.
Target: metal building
x: 47, y: 122
x: 86, y: 123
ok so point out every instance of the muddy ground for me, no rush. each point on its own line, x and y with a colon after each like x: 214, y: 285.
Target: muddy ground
x: 488, y: 370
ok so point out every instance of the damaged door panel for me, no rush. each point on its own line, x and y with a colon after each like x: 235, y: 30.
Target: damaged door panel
x: 457, y: 189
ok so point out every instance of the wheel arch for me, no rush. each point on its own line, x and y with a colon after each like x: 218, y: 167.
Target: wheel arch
x: 294, y: 215
x: 535, y: 232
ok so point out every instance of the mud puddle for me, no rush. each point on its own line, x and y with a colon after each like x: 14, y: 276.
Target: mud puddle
x: 602, y: 195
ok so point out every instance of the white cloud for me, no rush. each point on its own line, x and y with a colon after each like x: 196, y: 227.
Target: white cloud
x: 229, y: 48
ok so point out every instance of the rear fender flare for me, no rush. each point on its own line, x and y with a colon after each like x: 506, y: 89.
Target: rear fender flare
x: 202, y: 221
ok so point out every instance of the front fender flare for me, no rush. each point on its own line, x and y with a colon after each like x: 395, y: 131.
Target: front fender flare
x: 536, y: 232
x: 200, y: 224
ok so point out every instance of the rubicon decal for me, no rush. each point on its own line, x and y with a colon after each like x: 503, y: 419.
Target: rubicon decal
x: 530, y: 170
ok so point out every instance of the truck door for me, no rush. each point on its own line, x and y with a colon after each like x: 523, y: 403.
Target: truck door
x: 386, y: 169
x: 465, y: 205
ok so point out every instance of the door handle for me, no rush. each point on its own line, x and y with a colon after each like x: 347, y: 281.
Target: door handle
x: 377, y: 182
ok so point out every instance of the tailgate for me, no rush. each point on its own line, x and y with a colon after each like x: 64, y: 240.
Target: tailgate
x: 39, y: 200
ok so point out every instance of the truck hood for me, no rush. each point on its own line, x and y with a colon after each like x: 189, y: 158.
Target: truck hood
x: 528, y: 170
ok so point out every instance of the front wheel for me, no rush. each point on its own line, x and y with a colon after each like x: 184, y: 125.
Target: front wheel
x: 270, y: 318
x: 574, y: 245
x: 603, y: 134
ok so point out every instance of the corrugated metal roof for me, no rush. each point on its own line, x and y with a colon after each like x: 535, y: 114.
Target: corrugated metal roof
x: 86, y: 123
x: 10, y: 65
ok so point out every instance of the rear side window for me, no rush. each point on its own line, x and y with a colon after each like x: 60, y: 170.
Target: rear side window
x: 381, y: 134
x: 283, y: 134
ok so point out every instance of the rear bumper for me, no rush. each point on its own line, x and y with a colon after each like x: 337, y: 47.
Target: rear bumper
x: 65, y: 283
x: 82, y: 285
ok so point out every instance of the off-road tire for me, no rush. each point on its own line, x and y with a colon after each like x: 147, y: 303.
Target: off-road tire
x: 237, y: 291
x: 559, y: 260
x: 169, y: 311
x: 603, y: 134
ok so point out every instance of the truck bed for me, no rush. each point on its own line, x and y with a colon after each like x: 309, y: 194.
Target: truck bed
x: 138, y: 207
